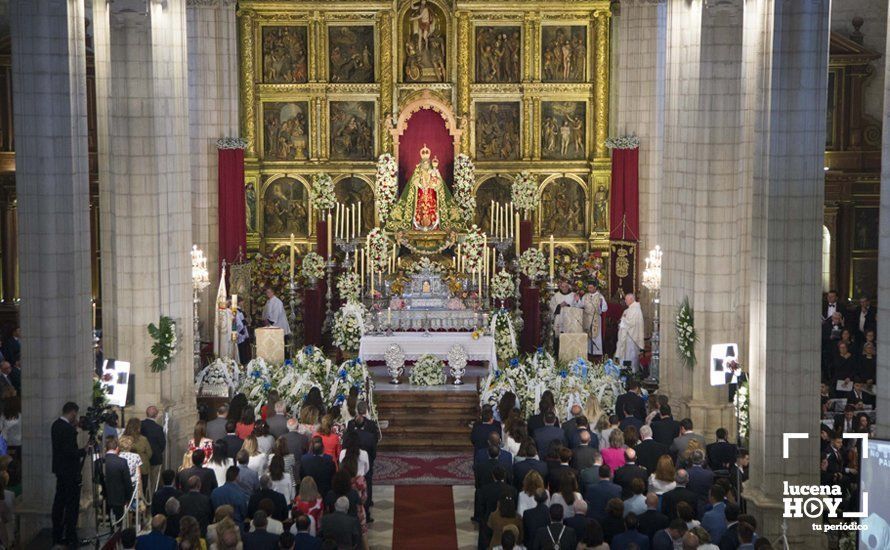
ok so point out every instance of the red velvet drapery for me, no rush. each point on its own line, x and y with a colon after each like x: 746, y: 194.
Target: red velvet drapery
x: 624, y: 205
x: 232, y: 208
x: 426, y: 127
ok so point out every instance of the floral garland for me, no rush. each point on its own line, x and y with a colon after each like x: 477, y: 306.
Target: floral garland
x: 387, y: 184
x: 322, y: 196
x: 425, y: 264
x: 231, y: 143
x: 472, y: 249
x: 349, y: 326
x: 504, y: 335
x: 220, y: 376
x: 532, y: 264
x: 623, y: 142
x: 686, y: 335
x: 429, y: 370
x: 163, y: 350
x: 502, y: 286
x: 524, y: 192
x: 742, y: 405
x: 378, y: 249
x: 349, y: 286
x: 313, y: 266
x: 464, y: 182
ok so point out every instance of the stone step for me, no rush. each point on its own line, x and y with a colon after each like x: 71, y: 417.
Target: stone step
x: 424, y: 444
x: 460, y: 430
x: 426, y: 419
x: 438, y: 397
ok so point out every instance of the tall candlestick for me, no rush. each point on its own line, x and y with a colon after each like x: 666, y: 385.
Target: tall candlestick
x: 516, y: 236
x: 552, y: 263
x: 362, y: 270
x: 354, y: 221
x: 372, y: 285
x: 491, y: 218
x: 329, y: 227
x: 291, y: 256
x: 234, y: 302
x: 93, y: 306
x: 359, y: 218
x: 337, y: 220
x: 459, y: 258
x: 510, y: 226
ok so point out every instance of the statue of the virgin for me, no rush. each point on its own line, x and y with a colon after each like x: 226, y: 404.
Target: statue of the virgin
x: 426, y: 204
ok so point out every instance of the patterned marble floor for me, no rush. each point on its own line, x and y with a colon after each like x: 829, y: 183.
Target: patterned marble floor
x: 380, y: 532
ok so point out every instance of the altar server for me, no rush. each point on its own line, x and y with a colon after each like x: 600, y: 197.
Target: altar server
x: 594, y: 305
x: 630, y: 334
x: 273, y: 312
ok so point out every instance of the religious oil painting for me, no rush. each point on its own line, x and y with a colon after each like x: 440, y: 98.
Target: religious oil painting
x: 564, y: 53
x: 865, y: 277
x: 285, y: 55
x: 866, y: 227
x: 351, y: 53
x: 563, y: 209
x: 497, y: 131
x: 352, y: 130
x: 285, y: 208
x: 353, y: 190
x: 286, y: 130
x: 423, y: 42
x: 495, y: 189
x: 498, y: 54
x: 563, y: 130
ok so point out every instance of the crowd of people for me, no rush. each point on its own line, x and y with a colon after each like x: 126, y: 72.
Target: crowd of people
x: 849, y: 350
x: 638, y: 479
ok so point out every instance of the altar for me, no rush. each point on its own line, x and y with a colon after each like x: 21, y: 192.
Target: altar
x: 416, y: 344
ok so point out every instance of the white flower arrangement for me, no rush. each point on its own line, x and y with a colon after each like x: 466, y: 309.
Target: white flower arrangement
x: 321, y: 195
x: 349, y: 326
x: 386, y: 185
x: 686, y: 335
x: 349, y: 286
x: 472, y: 249
x: 464, y: 182
x: 623, y: 142
x: 163, y: 350
x: 532, y: 264
x: 218, y: 378
x: 502, y: 285
x: 504, y: 335
x: 424, y: 264
x: 524, y: 192
x: 313, y: 266
x: 429, y: 370
x: 378, y: 249
x: 742, y: 402
x: 231, y: 143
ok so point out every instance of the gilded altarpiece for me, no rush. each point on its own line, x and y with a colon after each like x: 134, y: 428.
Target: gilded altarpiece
x: 521, y: 86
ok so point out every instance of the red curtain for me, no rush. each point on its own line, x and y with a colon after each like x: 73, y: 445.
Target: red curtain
x: 232, y: 209
x: 426, y: 127
x: 313, y: 314
x: 321, y: 238
x: 624, y: 206
x: 531, y: 319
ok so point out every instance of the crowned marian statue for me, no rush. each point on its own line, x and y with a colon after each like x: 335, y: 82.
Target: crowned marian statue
x: 426, y: 203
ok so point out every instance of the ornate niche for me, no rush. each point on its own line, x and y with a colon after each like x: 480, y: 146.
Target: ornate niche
x: 284, y: 207
x: 443, y: 129
x: 490, y: 188
x: 424, y: 42
x: 563, y: 207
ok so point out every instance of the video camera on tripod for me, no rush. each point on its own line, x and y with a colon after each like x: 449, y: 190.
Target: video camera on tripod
x: 92, y: 421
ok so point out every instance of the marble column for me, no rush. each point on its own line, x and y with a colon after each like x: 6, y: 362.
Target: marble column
x: 883, y: 368
x: 146, y: 197
x: 213, y: 114
x: 49, y: 90
x: 786, y: 56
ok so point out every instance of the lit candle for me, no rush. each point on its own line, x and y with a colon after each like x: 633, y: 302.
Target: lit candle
x: 552, y: 264
x: 292, y: 256
x: 491, y: 218
x: 399, y: 262
x: 234, y: 302
x: 359, y: 218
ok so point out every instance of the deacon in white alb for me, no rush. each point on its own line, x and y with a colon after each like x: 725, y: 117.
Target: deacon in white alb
x: 630, y: 334
x: 273, y: 312
x: 594, y: 305
x: 563, y: 299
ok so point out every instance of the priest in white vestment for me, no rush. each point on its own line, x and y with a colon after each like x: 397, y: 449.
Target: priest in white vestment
x: 274, y: 314
x: 594, y: 305
x: 561, y: 300
x: 630, y: 334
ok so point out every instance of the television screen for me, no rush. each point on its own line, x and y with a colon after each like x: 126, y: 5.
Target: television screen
x: 875, y: 533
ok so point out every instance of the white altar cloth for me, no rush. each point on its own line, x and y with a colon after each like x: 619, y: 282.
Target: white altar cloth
x: 417, y: 344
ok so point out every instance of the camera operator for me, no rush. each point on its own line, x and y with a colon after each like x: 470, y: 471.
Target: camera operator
x: 68, y: 467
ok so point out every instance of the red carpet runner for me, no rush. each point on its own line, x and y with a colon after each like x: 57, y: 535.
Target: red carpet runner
x: 424, y: 517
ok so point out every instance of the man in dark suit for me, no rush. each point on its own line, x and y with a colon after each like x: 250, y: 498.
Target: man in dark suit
x: 858, y: 396
x: 277, y: 420
x: 630, y: 403
x: 548, y: 433
x: 666, y: 538
x: 678, y: 494
x: 738, y: 473
x: 297, y: 443
x: 721, y: 454
x: 482, y: 470
x: 651, y: 521
x: 154, y: 433
x: 318, y: 465
x: 234, y: 443
x: 531, y: 462
x: 259, y: 538
x: 535, y: 421
x: 561, y: 470
x: 483, y: 427
x: 600, y: 493
x: 67, y: 466
x: 118, y: 488
x: 582, y: 426
x: 368, y: 438
x: 537, y: 517
x: 681, y: 443
x: 504, y: 457
x: 631, y: 535
x: 216, y: 428
x: 556, y: 535
x: 196, y: 504
x: 156, y: 539
x: 304, y: 540
x: 570, y: 425
x: 12, y: 376
x: 665, y: 429
x: 206, y: 475
x: 266, y: 492
x: 341, y: 526
x: 248, y: 480
x: 830, y: 305
x: 231, y: 493
x: 700, y: 479
x: 625, y: 475
x: 584, y: 453
x: 863, y: 320
x: 12, y: 347
x: 165, y: 492
x: 846, y: 422
x: 487, y: 496
x: 649, y: 451
x: 730, y: 538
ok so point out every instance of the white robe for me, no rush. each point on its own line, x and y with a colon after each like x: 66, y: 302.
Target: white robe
x: 630, y: 337
x: 566, y: 300
x: 594, y: 306
x: 223, y: 346
x: 273, y: 312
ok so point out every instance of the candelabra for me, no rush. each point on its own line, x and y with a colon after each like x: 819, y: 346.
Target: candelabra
x: 547, y: 334
x: 329, y: 312
x: 200, y: 281
x: 652, y: 281
x: 519, y: 322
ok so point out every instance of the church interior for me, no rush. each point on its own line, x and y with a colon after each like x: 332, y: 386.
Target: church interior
x: 489, y: 250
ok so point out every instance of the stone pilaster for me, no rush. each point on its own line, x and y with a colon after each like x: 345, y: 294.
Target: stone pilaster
x: 883, y: 398
x: 213, y: 113
x: 146, y: 198
x: 49, y: 90
x: 786, y: 46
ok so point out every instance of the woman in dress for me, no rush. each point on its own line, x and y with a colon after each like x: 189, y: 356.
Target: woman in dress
x: 349, y: 467
x: 269, y: 408
x: 309, y: 503
x: 134, y: 462
x: 330, y: 439
x: 532, y: 483
x: 662, y: 480
x: 200, y: 440
x: 602, y: 428
x: 264, y: 440
x: 282, y: 481
x: 515, y: 433
x: 505, y: 407
x: 140, y: 442
x: 281, y: 449
x: 352, y: 451
x: 190, y: 535
x: 313, y: 399
x: 219, y: 462
x: 844, y: 363
x: 236, y: 407
x: 257, y: 461
x: 567, y: 495
x: 505, y: 514
x: 631, y: 436
x: 308, y: 420
x: 613, y: 455
x: 246, y: 424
